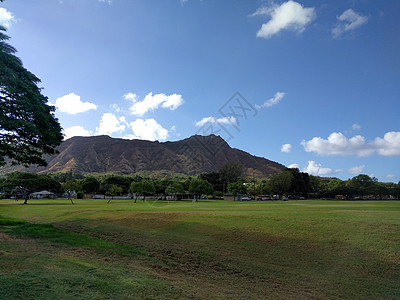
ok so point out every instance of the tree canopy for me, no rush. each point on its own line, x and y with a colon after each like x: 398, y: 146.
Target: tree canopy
x: 237, y: 188
x: 30, y: 183
x: 200, y: 186
x: 28, y: 127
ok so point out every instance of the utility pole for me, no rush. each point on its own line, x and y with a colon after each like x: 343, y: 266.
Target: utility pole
x: 254, y: 180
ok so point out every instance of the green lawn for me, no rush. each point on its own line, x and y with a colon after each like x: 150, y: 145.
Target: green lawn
x: 203, y: 250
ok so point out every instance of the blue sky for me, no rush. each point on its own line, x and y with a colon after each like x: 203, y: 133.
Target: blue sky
x: 312, y: 84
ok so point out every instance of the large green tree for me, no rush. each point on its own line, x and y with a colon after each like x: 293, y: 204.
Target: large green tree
x: 70, y: 186
x: 30, y: 183
x: 28, y: 127
x: 231, y: 172
x: 237, y: 188
x: 281, y: 183
x: 113, y: 191
x: 199, y: 187
x: 90, y: 185
x: 122, y: 181
x: 144, y: 187
x: 175, y: 188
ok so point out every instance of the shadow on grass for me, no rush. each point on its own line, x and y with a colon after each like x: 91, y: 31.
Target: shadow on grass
x: 21, y: 228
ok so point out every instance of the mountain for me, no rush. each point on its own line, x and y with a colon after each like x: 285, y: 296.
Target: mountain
x: 192, y: 156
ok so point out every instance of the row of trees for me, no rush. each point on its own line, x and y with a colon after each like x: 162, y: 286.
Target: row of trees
x: 229, y: 179
x: 293, y: 182
x: 24, y: 184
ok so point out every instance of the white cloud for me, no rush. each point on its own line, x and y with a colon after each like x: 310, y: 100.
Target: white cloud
x: 338, y: 144
x: 6, y: 18
x: 130, y: 96
x: 274, y: 100
x: 316, y: 169
x: 348, y: 21
x: 76, y: 131
x: 109, y: 124
x: 148, y: 129
x: 391, y: 176
x: 225, y: 120
x: 72, y: 104
x: 289, y: 15
x: 286, y: 148
x: 389, y: 145
x: 152, y: 102
x: 115, y: 108
x: 357, y: 169
x: 262, y: 11
x: 293, y: 166
x: 106, y: 1
x: 356, y: 126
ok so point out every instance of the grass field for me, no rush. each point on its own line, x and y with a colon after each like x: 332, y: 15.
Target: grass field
x: 51, y: 249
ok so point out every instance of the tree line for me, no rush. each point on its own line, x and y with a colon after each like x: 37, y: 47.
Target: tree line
x: 229, y: 179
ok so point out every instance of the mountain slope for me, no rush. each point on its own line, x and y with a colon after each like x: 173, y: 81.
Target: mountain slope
x: 191, y: 156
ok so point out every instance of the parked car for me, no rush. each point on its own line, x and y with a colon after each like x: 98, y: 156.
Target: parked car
x: 245, y: 198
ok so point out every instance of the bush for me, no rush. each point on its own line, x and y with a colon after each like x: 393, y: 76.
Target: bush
x: 79, y: 195
x: 218, y: 194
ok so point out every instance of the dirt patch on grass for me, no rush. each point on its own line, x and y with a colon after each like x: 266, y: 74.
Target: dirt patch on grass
x: 6, y: 237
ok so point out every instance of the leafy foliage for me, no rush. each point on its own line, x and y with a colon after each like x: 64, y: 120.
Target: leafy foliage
x: 30, y: 183
x: 237, y: 188
x: 175, y: 188
x: 281, y: 183
x: 28, y: 127
x: 200, y: 186
x: 90, y: 185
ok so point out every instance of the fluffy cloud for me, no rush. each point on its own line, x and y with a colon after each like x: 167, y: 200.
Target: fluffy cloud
x: 75, y: 131
x: 72, y: 104
x: 130, y: 96
x: 148, y: 129
x: 390, y: 176
x: 389, y: 145
x: 357, y: 169
x: 109, y: 124
x: 356, y: 126
x: 274, y: 100
x: 152, y: 102
x: 338, y: 144
x: 225, y: 120
x: 6, y: 18
x: 286, y: 148
x: 289, y: 15
x: 293, y: 166
x: 316, y: 169
x: 348, y: 21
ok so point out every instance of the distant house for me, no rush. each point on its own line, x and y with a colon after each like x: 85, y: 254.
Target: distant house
x: 18, y: 193
x: 42, y: 194
x: 230, y: 197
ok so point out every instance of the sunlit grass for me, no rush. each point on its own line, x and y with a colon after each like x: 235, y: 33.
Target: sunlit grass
x: 294, y: 249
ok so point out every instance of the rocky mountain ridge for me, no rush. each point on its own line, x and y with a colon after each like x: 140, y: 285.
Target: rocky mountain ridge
x: 192, y: 156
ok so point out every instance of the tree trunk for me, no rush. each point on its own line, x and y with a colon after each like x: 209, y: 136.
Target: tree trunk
x: 70, y: 198
x: 26, y: 198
